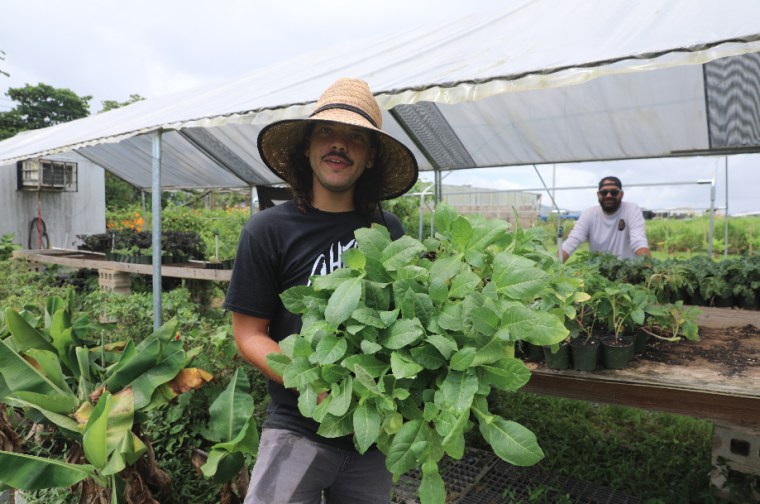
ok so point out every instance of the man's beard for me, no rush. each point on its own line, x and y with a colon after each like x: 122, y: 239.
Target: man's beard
x: 613, y: 207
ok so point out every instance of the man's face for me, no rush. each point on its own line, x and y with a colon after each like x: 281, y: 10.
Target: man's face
x: 610, y: 197
x: 339, y: 154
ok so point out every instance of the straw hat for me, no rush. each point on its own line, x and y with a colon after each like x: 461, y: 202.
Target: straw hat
x: 347, y: 101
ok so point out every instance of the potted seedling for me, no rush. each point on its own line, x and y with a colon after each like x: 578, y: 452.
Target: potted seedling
x: 625, y: 303
x: 584, y: 347
x: 672, y: 322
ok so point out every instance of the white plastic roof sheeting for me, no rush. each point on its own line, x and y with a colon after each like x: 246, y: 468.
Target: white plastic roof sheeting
x: 538, y: 81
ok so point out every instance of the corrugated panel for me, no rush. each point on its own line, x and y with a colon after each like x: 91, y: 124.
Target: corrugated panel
x: 733, y: 101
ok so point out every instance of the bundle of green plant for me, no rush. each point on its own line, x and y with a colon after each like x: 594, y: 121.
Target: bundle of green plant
x: 410, y: 338
x: 92, y: 396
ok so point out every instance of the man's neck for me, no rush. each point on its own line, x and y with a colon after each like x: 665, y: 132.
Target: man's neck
x: 327, y: 201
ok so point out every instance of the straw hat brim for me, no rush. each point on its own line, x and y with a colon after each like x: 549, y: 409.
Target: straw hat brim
x: 399, y: 168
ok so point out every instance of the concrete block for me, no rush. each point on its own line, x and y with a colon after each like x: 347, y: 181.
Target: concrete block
x: 738, y: 449
x: 115, y: 281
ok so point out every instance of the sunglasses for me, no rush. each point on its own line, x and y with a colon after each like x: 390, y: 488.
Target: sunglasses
x: 613, y: 192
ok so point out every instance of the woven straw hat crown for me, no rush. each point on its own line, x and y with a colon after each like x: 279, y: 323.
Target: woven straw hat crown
x: 347, y: 101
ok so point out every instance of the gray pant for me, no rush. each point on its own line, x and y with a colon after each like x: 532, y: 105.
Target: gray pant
x: 292, y: 469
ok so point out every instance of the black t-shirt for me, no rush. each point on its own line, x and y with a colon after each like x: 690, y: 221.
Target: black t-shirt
x: 279, y: 248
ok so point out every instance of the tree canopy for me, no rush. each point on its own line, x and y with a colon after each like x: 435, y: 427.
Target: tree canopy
x: 41, y: 106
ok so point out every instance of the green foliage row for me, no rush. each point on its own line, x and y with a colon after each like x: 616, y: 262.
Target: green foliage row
x: 697, y: 280
x: 215, y: 227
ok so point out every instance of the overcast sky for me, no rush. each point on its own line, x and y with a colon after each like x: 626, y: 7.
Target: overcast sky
x: 111, y: 49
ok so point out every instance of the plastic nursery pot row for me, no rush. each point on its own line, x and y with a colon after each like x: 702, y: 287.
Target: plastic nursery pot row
x: 589, y: 354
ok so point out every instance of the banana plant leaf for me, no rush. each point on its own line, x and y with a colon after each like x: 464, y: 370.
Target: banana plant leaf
x: 172, y: 362
x: 19, y: 374
x: 25, y: 335
x: 50, y: 364
x: 94, y: 440
x: 37, y: 402
x: 64, y: 341
x: 232, y: 410
x: 26, y: 472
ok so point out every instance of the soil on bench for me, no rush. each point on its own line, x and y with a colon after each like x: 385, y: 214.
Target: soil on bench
x: 732, y: 351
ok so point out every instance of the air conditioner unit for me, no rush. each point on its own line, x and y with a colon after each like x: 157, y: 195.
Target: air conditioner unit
x: 47, y: 175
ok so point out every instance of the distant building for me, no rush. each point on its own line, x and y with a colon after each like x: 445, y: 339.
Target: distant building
x: 492, y: 203
x: 677, y: 213
x: 64, y: 193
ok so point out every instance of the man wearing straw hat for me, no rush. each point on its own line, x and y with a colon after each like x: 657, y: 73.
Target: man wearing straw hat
x: 339, y: 165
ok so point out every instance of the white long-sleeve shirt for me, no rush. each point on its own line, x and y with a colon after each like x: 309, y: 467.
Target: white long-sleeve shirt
x: 620, y: 233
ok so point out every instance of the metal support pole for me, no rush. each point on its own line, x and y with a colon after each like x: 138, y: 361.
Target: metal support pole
x: 156, y: 202
x: 559, y: 213
x: 725, y: 225
x: 438, y: 197
x: 712, y: 219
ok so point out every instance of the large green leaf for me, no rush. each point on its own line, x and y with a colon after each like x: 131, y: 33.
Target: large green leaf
x: 19, y: 374
x: 432, y: 489
x: 294, y: 299
x: 539, y: 328
x: 50, y: 364
x: 341, y: 395
x: 457, y: 391
x: 300, y: 373
x: 343, y: 301
x: 24, y: 335
x: 64, y: 340
x: 48, y: 406
x: 222, y: 466
x: 373, y: 241
x: 336, y: 426
x: 512, y: 442
x: 94, y: 440
x: 330, y: 349
x: 129, y: 450
x: 403, y: 366
x: 133, y: 364
x: 403, y: 333
x: 461, y: 232
x: 507, y: 374
x: 121, y: 414
x: 400, y: 457
x: 172, y: 362
x: 232, y: 410
x: 367, y: 422
x: 463, y: 284
x: 26, y: 472
x: 402, y: 252
x: 518, y: 278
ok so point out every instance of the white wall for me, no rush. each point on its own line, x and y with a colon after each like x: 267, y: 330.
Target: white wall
x: 66, y: 214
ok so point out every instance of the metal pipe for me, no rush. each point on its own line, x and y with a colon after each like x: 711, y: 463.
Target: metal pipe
x: 725, y: 223
x: 156, y: 202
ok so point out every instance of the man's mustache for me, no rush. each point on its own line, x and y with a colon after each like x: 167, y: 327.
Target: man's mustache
x: 338, y: 154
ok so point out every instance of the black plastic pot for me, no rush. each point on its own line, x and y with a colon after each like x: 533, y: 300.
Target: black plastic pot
x: 559, y: 359
x: 640, y: 341
x: 584, y: 353
x: 617, y: 351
